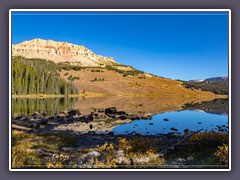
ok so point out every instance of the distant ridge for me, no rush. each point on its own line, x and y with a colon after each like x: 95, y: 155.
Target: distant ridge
x: 60, y: 52
x: 213, y: 79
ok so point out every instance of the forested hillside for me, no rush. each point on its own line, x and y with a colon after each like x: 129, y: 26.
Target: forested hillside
x: 37, y: 76
x: 215, y: 87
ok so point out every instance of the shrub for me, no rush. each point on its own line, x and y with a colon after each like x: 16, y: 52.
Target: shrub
x: 222, y: 154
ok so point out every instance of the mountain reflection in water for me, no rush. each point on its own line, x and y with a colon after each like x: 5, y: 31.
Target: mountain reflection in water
x: 168, y: 115
x: 207, y: 116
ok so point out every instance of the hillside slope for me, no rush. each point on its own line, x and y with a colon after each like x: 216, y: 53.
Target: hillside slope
x: 94, y: 73
x: 114, y: 83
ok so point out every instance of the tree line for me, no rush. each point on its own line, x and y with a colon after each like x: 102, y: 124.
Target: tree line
x: 215, y: 87
x: 37, y: 76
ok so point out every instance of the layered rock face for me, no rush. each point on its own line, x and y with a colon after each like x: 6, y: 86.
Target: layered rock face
x: 59, y: 52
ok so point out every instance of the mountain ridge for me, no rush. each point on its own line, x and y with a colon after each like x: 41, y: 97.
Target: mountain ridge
x: 60, y: 52
x: 101, y: 74
x: 214, y: 79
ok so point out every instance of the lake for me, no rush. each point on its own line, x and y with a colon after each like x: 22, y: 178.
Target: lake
x: 179, y: 120
x: 166, y: 117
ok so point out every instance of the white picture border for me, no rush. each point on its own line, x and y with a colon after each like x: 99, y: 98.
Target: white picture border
x: 117, y: 10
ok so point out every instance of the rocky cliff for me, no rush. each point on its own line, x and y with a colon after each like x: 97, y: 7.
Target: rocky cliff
x: 59, y: 52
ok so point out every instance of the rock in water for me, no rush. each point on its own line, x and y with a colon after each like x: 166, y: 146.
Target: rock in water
x: 174, y: 129
x: 186, y: 131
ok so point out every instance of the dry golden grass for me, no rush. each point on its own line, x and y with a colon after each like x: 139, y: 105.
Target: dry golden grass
x: 115, y: 84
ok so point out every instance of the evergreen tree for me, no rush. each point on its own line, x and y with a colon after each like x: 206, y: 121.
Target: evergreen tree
x: 36, y: 76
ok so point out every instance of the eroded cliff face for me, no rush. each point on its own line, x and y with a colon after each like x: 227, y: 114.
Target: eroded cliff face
x: 59, y: 52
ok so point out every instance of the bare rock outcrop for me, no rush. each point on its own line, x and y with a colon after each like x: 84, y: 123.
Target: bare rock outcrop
x: 60, y: 52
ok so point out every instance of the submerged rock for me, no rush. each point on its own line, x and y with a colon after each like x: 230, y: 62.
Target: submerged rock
x: 174, y: 129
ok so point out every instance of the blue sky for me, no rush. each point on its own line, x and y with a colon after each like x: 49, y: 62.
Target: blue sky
x: 177, y: 45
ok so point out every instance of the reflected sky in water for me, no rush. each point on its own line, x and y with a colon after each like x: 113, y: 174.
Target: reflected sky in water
x: 180, y: 120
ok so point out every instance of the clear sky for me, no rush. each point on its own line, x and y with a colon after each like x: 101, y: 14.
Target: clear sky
x: 177, y: 45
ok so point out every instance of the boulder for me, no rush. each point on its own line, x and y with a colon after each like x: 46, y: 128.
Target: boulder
x: 122, y: 117
x: 111, y: 110
x: 36, y: 115
x: 44, y: 114
x: 111, y: 133
x: 186, y: 131
x: 43, y: 121
x: 35, y: 125
x: 111, y: 115
x: 52, y: 118
x: 14, y: 116
x: 61, y: 115
x: 90, y: 154
x: 89, y: 117
x: 73, y: 112
x: 120, y: 113
x: 146, y: 117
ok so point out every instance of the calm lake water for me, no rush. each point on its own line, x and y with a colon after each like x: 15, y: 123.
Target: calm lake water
x: 181, y: 120
x: 206, y: 116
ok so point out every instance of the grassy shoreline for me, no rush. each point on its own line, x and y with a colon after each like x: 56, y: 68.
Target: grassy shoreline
x: 94, y: 94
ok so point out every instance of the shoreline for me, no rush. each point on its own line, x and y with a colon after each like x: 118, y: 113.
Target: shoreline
x: 95, y: 94
x: 87, y: 94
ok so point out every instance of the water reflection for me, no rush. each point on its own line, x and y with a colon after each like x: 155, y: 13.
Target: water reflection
x: 168, y: 115
x: 51, y: 106
x: 217, y: 106
x: 176, y: 122
x: 208, y: 116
